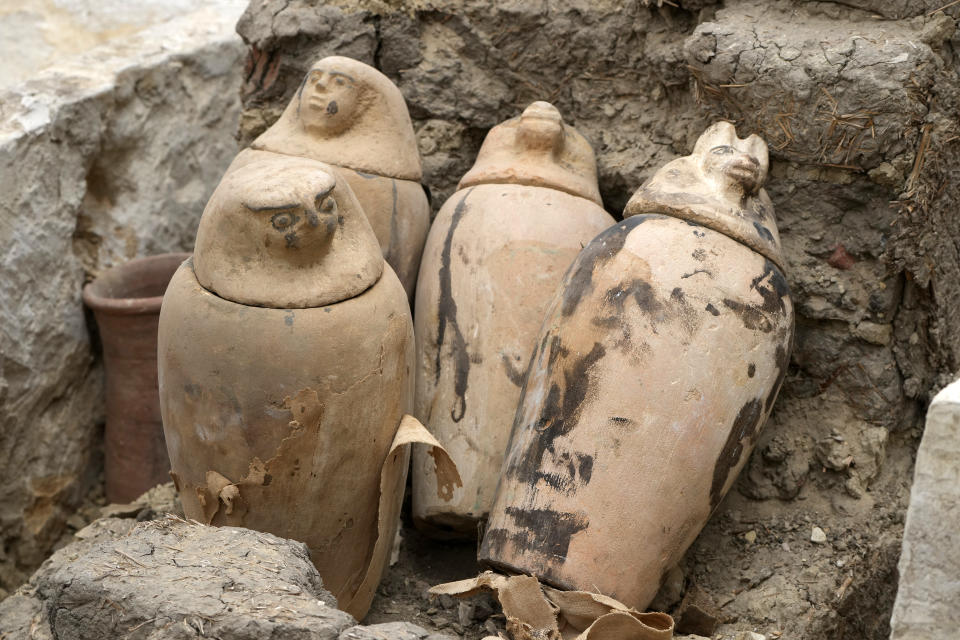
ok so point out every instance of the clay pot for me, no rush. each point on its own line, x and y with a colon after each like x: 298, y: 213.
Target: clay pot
x: 286, y: 356
x: 658, y: 363
x: 126, y: 303
x: 350, y: 115
x: 493, y: 260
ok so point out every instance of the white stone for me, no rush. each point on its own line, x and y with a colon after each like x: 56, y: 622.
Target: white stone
x: 929, y: 590
x: 103, y: 157
x: 818, y: 536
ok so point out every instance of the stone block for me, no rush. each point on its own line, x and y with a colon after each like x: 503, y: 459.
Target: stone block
x: 929, y: 589
x: 171, y: 578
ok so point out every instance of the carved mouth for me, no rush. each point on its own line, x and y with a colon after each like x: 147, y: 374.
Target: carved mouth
x: 743, y: 170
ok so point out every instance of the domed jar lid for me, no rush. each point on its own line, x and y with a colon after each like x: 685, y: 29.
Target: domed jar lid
x: 537, y: 149
x: 286, y: 233
x: 720, y: 186
x: 348, y: 114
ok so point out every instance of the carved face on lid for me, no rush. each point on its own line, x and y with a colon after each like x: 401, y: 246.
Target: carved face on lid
x: 285, y: 233
x: 537, y: 149
x: 330, y: 99
x: 540, y: 128
x: 730, y: 163
x: 348, y: 114
x: 719, y: 185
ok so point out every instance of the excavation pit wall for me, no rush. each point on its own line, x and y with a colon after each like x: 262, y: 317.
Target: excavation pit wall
x: 858, y: 104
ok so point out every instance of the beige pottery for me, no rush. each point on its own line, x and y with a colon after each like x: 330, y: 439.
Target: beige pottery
x: 494, y: 258
x: 350, y: 115
x: 656, y: 367
x: 285, y: 366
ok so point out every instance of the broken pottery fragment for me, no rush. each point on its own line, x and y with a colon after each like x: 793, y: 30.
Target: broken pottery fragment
x: 350, y: 115
x: 657, y: 366
x: 285, y: 367
x: 493, y: 260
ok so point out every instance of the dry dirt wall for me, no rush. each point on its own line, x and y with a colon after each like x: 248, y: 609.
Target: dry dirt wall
x: 859, y: 103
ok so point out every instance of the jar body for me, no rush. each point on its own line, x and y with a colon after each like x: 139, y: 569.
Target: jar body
x: 658, y: 363
x: 493, y: 261
x: 399, y: 213
x: 295, y: 408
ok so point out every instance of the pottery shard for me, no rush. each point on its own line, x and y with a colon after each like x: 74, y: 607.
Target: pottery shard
x: 698, y: 613
x: 179, y: 579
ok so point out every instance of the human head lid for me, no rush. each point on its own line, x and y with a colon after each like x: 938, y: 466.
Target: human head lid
x: 537, y: 149
x: 720, y: 186
x: 348, y: 114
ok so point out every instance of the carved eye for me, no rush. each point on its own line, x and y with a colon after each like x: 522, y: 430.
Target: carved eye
x: 283, y: 220
x: 722, y: 150
x: 325, y: 204
x: 341, y: 81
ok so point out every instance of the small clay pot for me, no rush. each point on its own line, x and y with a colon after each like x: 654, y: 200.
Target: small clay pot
x: 493, y: 260
x: 351, y: 116
x: 658, y: 363
x: 286, y: 357
x: 126, y: 303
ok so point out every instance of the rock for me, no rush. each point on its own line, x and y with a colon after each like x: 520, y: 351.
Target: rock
x: 173, y: 572
x: 391, y: 631
x: 160, y: 499
x: 928, y: 592
x: 671, y: 590
x: 698, y: 613
x: 817, y: 536
x: 750, y: 635
x: 103, y: 157
x: 465, y: 611
x: 181, y: 579
x: 750, y: 536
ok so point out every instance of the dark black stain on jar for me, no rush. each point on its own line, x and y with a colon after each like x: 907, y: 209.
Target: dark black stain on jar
x: 560, y: 413
x: 741, y: 437
x: 782, y: 362
x: 772, y: 287
x: 763, y: 231
x: 752, y: 316
x: 514, y: 373
x: 395, y: 247
x: 578, y: 281
x: 447, y: 317
x: 539, y: 531
x: 571, y: 470
x: 712, y: 309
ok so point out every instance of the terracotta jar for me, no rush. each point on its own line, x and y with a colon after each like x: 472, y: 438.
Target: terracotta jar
x: 494, y: 258
x: 658, y: 363
x: 126, y: 303
x: 350, y: 115
x: 286, y: 357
